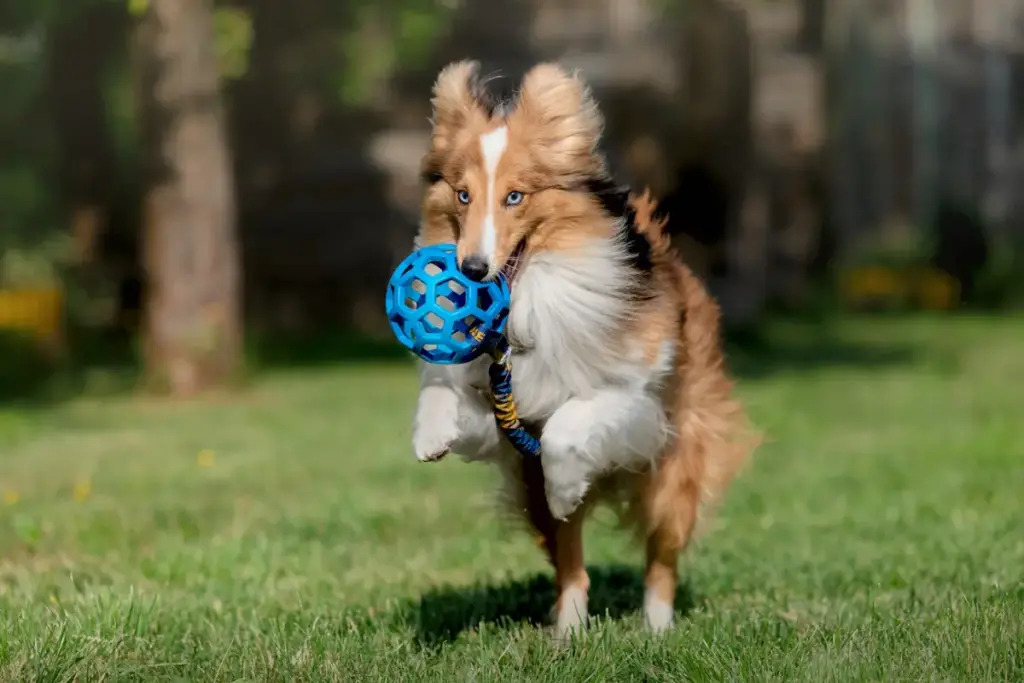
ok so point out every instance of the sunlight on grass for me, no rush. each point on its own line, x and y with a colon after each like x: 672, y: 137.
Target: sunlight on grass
x: 290, y: 535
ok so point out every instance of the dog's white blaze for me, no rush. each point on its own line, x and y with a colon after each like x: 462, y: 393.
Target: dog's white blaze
x: 493, y: 147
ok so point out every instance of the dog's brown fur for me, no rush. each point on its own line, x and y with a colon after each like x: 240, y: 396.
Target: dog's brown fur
x: 712, y: 443
x: 711, y: 438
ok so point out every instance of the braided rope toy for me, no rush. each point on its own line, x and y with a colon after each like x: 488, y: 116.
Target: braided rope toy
x: 500, y: 375
x: 444, y: 317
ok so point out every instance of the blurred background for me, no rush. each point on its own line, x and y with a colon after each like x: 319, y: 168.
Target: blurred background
x: 198, y: 195
x: 188, y: 184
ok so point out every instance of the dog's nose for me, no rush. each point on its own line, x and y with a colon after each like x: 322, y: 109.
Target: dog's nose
x: 474, y: 267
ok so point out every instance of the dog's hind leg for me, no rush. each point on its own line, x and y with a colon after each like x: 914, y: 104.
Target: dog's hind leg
x: 671, y: 506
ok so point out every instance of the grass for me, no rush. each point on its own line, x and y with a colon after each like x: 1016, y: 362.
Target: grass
x: 287, y: 534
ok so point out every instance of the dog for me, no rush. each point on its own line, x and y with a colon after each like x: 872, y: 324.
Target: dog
x: 615, y: 352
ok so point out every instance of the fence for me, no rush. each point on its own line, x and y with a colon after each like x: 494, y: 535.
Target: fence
x: 926, y: 115
x: 779, y: 133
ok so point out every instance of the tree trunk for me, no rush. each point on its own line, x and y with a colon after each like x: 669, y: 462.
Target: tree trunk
x: 193, y: 327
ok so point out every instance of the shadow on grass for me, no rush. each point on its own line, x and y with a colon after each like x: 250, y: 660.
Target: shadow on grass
x: 330, y: 347
x: 32, y: 377
x: 805, y: 346
x: 107, y: 364
x: 443, y: 613
x: 794, y: 345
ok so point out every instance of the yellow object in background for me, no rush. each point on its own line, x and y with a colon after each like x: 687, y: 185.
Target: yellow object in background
x: 872, y: 281
x: 935, y: 290
x: 38, y: 312
x: 82, y: 490
x: 205, y: 458
x: 922, y: 288
x: 872, y: 286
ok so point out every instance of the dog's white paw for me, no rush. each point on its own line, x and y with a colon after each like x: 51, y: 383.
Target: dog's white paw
x: 571, y: 615
x: 436, y: 428
x: 564, y: 498
x: 567, y: 469
x: 432, y: 443
x: 658, y: 614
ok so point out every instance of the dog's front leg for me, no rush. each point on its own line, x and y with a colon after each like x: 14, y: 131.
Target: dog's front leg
x: 451, y: 415
x: 615, y: 427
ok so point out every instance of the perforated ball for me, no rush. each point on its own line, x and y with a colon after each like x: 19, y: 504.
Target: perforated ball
x: 438, y: 313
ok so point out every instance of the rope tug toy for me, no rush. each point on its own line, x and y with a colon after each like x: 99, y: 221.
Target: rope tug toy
x: 500, y: 374
x: 445, y: 318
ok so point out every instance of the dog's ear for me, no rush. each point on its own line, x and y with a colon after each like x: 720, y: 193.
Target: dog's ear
x: 563, y: 119
x: 459, y: 95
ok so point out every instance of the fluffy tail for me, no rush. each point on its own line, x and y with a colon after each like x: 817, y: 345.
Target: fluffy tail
x: 650, y: 224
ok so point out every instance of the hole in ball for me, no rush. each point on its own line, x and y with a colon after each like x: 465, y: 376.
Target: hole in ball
x: 411, y: 303
x: 419, y: 285
x: 458, y: 336
x: 435, y: 320
x: 457, y: 287
x: 445, y: 303
x: 432, y: 268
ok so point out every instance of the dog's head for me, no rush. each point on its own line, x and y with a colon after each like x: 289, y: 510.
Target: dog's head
x: 504, y: 177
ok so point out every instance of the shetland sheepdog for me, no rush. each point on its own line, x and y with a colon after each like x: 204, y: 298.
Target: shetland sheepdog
x: 616, y: 360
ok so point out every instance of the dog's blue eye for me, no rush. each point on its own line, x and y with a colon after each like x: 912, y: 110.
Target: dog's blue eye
x: 462, y: 196
x: 514, y: 198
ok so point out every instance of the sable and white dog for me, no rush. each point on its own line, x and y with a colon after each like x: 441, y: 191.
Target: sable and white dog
x: 616, y: 359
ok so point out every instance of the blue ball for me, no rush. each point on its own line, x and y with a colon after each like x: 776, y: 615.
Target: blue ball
x: 440, y: 314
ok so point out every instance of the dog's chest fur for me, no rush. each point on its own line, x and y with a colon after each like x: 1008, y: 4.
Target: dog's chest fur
x: 567, y: 328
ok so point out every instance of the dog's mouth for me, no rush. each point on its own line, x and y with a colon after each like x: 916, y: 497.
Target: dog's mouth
x: 514, y: 264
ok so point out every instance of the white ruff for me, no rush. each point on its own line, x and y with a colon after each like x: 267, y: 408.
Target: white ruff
x: 573, y: 373
x: 567, y: 315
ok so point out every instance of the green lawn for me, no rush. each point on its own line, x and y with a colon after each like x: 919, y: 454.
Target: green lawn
x: 289, y: 534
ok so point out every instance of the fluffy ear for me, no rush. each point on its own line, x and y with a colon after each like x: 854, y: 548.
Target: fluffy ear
x: 563, y: 118
x: 456, y: 98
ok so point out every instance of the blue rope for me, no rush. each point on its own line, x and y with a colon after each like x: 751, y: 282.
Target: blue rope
x: 504, y: 403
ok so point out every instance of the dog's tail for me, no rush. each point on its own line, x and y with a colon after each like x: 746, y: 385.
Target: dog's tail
x: 650, y: 224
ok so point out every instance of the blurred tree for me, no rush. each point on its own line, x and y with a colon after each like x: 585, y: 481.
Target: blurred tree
x: 811, y: 37
x: 193, y: 329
